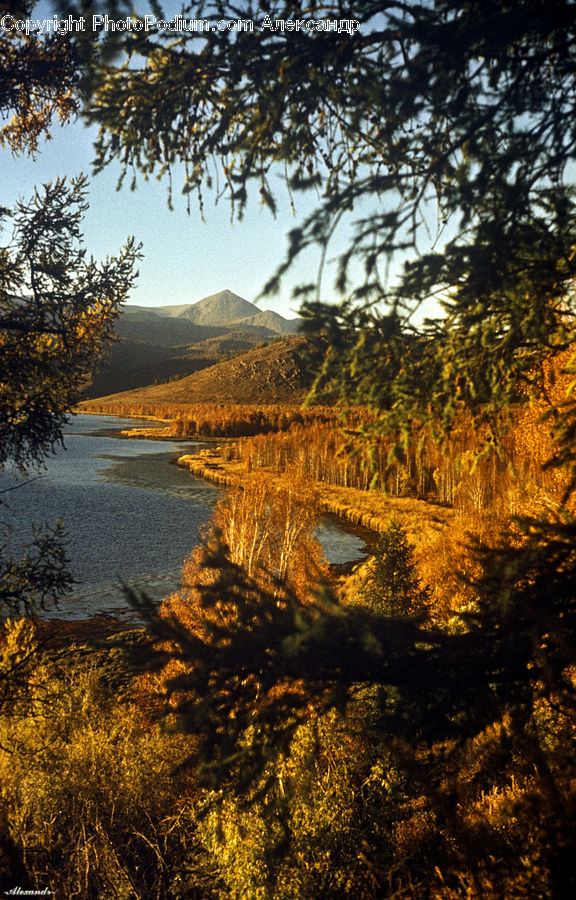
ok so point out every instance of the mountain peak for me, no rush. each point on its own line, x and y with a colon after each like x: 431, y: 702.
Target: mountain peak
x: 223, y: 308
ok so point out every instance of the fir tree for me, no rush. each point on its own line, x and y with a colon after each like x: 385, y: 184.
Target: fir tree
x: 392, y: 585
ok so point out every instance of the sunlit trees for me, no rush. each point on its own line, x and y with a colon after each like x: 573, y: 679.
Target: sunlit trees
x: 267, y: 529
x: 91, y: 801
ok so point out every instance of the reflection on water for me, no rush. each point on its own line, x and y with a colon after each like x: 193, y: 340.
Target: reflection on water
x: 130, y: 513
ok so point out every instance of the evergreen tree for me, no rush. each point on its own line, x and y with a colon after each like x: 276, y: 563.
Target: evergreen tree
x: 40, y: 81
x: 392, y: 585
x: 57, y: 310
x: 57, y: 306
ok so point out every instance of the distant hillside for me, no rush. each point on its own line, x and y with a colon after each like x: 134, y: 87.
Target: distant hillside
x: 225, y: 309
x: 159, y: 344
x: 131, y: 364
x: 282, y: 371
x: 267, y: 318
x: 151, y: 327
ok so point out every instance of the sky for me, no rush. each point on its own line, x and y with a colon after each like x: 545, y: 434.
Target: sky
x: 185, y: 258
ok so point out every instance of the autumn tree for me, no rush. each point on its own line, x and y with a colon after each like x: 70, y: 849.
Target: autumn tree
x: 39, y: 85
x: 269, y: 528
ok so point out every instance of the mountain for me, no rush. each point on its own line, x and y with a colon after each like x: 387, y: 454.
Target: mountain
x: 162, y: 343
x: 267, y: 318
x: 281, y: 372
x: 151, y: 327
x: 226, y: 309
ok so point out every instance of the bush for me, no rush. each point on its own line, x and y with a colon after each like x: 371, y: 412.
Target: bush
x: 93, y: 804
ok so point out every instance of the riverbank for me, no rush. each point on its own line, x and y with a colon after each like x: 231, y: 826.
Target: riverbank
x: 58, y: 633
x: 371, y: 510
x: 160, y: 431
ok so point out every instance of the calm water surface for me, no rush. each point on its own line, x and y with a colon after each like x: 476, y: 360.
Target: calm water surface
x: 130, y: 514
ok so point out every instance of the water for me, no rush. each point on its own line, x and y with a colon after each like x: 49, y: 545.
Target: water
x: 129, y: 512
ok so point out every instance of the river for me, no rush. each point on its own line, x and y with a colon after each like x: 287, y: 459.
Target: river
x: 131, y: 515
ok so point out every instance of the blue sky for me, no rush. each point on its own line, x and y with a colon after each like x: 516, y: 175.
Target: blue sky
x: 185, y: 258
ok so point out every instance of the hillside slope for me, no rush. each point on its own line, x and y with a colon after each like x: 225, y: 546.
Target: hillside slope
x: 281, y: 372
x: 162, y: 343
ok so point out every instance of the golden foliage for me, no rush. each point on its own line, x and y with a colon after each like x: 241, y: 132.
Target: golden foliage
x: 337, y: 447
x: 268, y: 529
x: 39, y: 85
x: 90, y: 798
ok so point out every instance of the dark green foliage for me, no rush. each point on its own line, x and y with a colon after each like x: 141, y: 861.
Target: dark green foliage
x: 57, y: 309
x: 392, y: 585
x: 39, y: 576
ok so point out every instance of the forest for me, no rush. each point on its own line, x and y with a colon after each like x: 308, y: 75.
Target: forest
x: 277, y: 728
